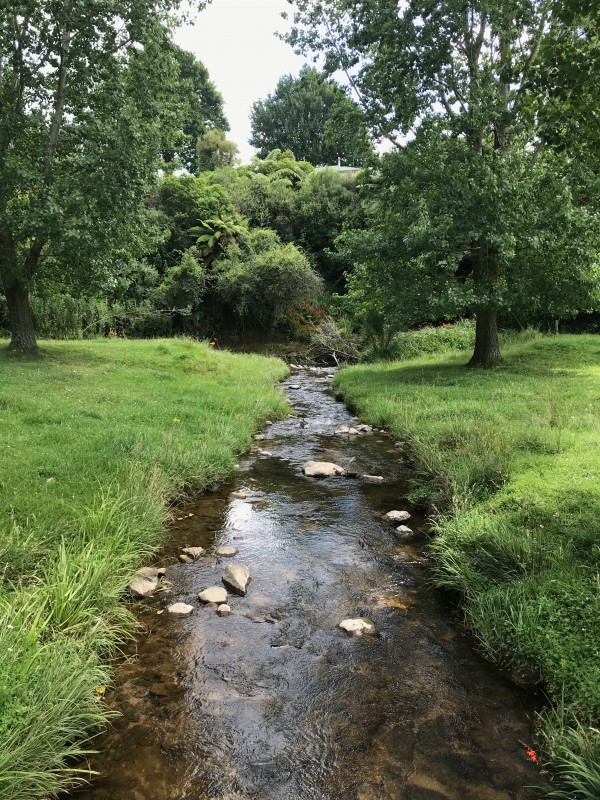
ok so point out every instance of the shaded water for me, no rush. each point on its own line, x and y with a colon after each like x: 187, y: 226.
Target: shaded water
x: 275, y: 702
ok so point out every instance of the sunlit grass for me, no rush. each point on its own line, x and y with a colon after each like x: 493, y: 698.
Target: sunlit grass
x: 509, y: 461
x: 97, y: 436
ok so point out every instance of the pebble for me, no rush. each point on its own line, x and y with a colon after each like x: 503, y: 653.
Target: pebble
x: 223, y: 610
x: 373, y: 478
x: 239, y: 496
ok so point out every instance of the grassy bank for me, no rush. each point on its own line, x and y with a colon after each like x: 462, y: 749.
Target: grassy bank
x: 96, y: 437
x: 510, y: 460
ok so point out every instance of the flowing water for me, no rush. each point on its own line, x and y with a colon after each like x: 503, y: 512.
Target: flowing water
x: 275, y: 702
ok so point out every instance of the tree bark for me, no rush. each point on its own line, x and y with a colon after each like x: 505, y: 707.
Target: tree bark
x: 22, y: 330
x: 487, y: 345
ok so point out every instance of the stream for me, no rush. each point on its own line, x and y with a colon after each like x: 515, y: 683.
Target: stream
x: 275, y: 702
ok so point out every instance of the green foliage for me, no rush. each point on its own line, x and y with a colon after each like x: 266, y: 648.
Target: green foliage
x: 262, y: 280
x: 201, y: 106
x: 314, y: 118
x: 412, y: 344
x: 281, y: 165
x: 87, y: 106
x: 511, y: 458
x: 327, y: 202
x: 574, y: 751
x: 187, y: 203
x: 264, y: 202
x: 416, y: 259
x: 213, y: 150
x: 477, y: 212
x: 83, y: 503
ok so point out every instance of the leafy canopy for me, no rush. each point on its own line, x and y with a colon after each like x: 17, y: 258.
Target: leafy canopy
x: 314, y: 118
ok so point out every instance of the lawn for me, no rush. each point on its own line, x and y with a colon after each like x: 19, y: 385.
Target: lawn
x: 98, y: 437
x: 508, y: 461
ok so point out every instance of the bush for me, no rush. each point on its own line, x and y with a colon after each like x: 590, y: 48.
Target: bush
x: 261, y: 280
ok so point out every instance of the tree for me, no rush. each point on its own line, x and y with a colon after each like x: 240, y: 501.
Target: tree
x: 203, y: 105
x: 327, y: 202
x: 459, y: 77
x: 84, y: 106
x: 213, y: 150
x: 314, y: 118
x: 414, y: 260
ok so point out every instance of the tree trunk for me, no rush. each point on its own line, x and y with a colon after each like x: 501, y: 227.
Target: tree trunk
x: 20, y: 319
x: 487, y: 346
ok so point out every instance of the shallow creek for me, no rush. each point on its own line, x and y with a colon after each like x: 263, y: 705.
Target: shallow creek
x: 275, y: 702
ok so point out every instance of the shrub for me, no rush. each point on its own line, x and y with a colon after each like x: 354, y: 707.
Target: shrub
x: 261, y: 280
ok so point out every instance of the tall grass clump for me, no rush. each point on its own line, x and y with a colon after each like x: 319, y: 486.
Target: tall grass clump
x: 98, y: 437
x: 508, y: 462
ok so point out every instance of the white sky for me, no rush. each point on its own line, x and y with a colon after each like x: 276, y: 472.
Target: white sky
x: 236, y: 41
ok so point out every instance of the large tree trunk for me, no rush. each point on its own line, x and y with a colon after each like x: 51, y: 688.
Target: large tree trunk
x: 20, y: 319
x: 487, y: 346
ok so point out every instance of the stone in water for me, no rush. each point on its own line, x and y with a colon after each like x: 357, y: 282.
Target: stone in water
x: 214, y: 594
x: 322, y: 469
x: 180, y: 608
x: 237, y: 577
x: 357, y: 626
x: 193, y: 552
x: 227, y: 551
x: 396, y: 516
x: 223, y: 610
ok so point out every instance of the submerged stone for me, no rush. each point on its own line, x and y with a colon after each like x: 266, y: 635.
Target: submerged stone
x: 373, y: 478
x: 193, y: 552
x: 223, y: 610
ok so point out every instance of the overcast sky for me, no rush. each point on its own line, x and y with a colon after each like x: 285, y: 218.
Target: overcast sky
x: 236, y: 41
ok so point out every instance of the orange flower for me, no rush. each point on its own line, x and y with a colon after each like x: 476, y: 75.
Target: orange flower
x: 532, y: 755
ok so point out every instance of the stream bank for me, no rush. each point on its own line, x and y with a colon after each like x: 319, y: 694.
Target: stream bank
x: 275, y: 701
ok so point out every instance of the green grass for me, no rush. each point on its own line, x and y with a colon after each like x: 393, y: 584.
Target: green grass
x: 509, y: 460
x: 97, y: 438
